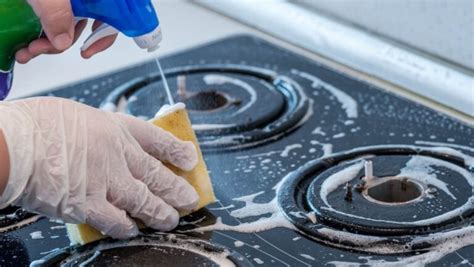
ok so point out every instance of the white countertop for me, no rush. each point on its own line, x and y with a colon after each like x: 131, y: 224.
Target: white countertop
x: 185, y: 25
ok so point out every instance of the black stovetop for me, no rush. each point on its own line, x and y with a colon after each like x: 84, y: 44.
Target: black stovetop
x: 281, y: 136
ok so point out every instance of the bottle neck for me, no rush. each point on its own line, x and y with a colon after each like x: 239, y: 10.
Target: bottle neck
x: 5, y: 83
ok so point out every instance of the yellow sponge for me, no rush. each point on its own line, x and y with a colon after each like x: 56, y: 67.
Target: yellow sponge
x: 176, y: 121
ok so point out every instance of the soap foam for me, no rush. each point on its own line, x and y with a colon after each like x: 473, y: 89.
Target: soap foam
x: 168, y: 109
x: 348, y: 103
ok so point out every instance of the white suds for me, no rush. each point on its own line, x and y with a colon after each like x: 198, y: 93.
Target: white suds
x: 327, y: 148
x: 286, y: 152
x: 468, y: 160
x: 39, y: 262
x: 195, y: 222
x: 348, y: 103
x: 204, y: 127
x: 109, y: 106
x: 419, y: 168
x: 49, y: 251
x: 339, y: 135
x: 36, y: 235
x: 167, y: 109
x: 440, y: 144
x: 238, y: 244
x: 57, y: 227
x: 91, y: 259
x: 339, y: 178
x: 266, y: 154
x: 258, y: 261
x: 133, y: 98
x: 252, y: 208
x: 449, y: 243
x: 223, y: 208
x: 262, y: 224
x: 306, y: 256
x: 318, y: 131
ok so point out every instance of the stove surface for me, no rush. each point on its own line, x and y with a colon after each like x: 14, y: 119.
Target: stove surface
x: 310, y: 167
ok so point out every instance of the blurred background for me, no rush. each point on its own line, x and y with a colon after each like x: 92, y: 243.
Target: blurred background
x: 443, y: 28
x: 424, y: 47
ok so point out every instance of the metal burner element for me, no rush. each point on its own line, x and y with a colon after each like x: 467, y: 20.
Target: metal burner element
x: 206, y: 101
x: 231, y: 106
x: 150, y: 250
x: 410, y: 193
x: 14, y: 217
x: 394, y: 191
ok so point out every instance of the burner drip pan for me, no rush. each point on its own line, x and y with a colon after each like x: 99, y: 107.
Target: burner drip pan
x: 414, y: 192
x: 151, y: 250
x: 231, y: 106
x: 12, y: 218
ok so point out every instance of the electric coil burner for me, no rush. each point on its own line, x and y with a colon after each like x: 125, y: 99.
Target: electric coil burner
x: 229, y: 105
x: 14, y: 217
x: 310, y: 168
x: 404, y: 192
x: 150, y: 250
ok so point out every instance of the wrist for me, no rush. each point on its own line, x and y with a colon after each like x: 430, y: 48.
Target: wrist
x: 4, y: 163
x: 18, y: 139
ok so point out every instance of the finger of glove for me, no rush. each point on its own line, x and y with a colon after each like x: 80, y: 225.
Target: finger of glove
x: 133, y: 196
x: 111, y: 221
x: 173, y: 189
x: 57, y: 20
x: 160, y: 143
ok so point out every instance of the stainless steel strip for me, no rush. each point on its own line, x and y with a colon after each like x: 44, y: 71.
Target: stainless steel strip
x: 416, y: 72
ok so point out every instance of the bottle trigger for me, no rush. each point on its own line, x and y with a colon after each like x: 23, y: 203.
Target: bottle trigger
x: 101, y: 32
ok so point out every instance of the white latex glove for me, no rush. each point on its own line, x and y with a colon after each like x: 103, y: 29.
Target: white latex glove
x: 84, y: 165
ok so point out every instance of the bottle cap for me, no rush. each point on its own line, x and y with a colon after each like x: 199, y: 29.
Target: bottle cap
x: 151, y: 40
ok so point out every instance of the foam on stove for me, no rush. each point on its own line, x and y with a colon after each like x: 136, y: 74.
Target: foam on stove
x: 442, y: 243
x: 450, y: 242
x: 253, y: 208
x: 36, y: 235
x: 339, y: 178
x: 286, y: 152
x: 348, y: 103
x: 419, y: 168
x: 203, y: 127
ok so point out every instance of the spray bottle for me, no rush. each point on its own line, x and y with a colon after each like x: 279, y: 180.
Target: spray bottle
x: 19, y: 26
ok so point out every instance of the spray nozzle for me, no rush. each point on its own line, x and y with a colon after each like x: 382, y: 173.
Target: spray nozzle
x: 135, y: 19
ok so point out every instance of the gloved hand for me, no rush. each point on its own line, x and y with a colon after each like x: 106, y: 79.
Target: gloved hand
x: 83, y: 165
x: 61, y: 31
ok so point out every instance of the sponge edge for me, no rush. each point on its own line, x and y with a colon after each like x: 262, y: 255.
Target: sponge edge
x: 175, y: 120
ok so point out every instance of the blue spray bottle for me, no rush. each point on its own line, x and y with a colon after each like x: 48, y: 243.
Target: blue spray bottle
x: 19, y: 26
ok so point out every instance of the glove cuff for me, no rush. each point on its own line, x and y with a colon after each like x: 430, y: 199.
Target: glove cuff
x: 18, y: 130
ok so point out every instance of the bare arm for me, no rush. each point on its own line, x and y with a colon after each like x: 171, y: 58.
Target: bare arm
x: 4, y: 163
